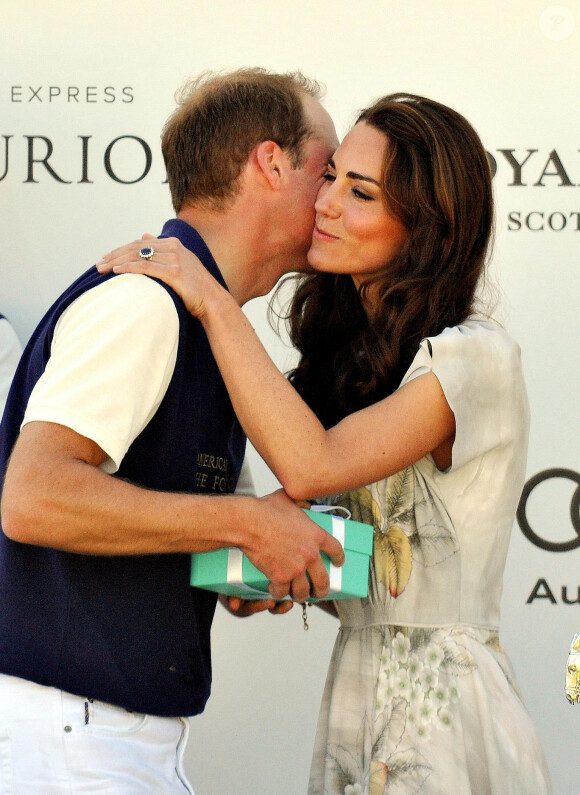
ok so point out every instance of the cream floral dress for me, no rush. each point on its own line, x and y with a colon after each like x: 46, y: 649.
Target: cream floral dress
x: 420, y: 696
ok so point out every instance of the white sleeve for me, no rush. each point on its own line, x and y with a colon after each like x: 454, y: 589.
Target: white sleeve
x: 479, y: 368
x: 112, y: 357
x: 10, y: 351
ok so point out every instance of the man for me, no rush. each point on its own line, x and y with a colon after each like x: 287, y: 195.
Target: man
x: 123, y: 415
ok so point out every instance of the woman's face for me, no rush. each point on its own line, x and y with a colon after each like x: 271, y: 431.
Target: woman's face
x: 354, y: 231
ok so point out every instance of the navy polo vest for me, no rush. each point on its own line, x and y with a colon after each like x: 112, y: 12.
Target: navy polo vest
x: 128, y: 630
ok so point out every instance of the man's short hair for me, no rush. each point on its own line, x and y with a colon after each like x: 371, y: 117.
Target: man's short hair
x: 220, y: 119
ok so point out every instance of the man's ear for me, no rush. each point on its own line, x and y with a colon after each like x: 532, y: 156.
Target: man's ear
x: 272, y: 163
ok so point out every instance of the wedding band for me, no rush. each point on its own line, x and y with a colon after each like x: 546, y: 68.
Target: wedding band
x: 147, y: 253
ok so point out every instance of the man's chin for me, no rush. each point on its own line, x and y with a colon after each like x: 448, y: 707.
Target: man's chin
x: 306, y: 268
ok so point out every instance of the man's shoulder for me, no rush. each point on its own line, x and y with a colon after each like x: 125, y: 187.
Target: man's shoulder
x: 129, y: 293
x: 130, y: 308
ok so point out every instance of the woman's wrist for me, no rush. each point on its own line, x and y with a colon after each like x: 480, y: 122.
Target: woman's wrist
x: 218, y: 303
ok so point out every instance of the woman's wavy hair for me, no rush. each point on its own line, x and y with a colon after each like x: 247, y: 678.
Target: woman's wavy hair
x: 437, y: 181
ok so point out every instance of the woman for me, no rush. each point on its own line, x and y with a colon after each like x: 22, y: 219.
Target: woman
x: 411, y: 411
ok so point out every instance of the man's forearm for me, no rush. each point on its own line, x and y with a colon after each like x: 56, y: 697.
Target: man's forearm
x: 55, y: 495
x: 58, y: 500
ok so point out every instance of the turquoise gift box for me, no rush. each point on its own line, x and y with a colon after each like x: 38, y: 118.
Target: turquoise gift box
x: 228, y: 571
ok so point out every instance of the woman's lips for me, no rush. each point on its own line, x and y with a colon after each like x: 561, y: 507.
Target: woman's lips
x: 320, y: 234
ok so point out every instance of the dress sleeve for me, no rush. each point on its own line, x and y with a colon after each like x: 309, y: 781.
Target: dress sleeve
x: 479, y: 368
x: 112, y: 357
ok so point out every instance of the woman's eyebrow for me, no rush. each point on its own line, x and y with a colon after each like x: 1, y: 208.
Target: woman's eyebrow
x: 355, y: 174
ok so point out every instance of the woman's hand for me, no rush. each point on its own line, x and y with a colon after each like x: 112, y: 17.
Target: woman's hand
x: 172, y: 263
x: 241, y: 608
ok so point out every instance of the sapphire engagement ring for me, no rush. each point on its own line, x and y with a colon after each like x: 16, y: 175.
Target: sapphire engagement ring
x: 147, y: 253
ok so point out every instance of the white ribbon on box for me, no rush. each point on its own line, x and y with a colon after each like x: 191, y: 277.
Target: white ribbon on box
x: 335, y: 572
x: 338, y: 531
x: 235, y: 576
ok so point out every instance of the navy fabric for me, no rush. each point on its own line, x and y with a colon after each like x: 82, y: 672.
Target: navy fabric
x: 127, y: 630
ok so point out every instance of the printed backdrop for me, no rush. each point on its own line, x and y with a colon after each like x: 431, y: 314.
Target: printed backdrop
x: 84, y: 92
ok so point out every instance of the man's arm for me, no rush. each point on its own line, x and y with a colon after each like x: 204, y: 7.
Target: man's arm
x: 55, y: 495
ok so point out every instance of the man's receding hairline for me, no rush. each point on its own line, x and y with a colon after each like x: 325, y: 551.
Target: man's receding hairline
x: 317, y: 129
x: 303, y: 85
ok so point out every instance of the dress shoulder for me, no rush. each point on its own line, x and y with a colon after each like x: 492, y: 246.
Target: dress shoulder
x: 479, y: 367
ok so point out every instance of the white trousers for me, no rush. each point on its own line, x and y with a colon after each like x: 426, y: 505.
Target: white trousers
x: 54, y: 743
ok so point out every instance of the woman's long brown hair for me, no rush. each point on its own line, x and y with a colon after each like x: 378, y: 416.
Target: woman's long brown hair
x: 437, y: 180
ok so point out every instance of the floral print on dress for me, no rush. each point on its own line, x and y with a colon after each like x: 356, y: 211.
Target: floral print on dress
x: 410, y: 524
x: 418, y: 668
x: 416, y: 697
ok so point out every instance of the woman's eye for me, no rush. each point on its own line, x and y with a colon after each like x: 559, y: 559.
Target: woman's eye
x: 329, y: 177
x: 361, y: 195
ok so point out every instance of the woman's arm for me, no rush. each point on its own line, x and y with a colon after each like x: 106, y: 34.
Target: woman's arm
x: 307, y: 459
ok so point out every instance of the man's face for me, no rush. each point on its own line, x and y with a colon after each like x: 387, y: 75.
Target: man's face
x: 306, y: 181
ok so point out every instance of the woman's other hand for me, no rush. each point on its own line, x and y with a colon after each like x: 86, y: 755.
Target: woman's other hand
x: 241, y: 608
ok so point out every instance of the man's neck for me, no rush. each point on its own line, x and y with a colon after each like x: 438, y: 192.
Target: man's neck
x: 240, y: 248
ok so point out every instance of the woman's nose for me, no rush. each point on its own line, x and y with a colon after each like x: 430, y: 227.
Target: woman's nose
x: 327, y: 201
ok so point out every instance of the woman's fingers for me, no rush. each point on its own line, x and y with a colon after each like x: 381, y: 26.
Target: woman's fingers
x: 165, y: 248
x: 166, y: 259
